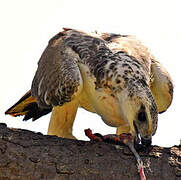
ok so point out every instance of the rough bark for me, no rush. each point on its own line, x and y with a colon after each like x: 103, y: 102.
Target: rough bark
x: 32, y: 156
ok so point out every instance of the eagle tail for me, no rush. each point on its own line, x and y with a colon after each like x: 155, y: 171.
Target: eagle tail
x: 27, y: 106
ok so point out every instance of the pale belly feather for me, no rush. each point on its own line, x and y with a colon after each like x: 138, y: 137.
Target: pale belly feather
x: 101, y: 100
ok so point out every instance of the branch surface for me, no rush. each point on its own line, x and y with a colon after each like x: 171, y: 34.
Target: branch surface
x: 32, y: 156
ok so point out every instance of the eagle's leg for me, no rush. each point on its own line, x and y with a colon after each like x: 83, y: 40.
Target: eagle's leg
x: 62, y: 120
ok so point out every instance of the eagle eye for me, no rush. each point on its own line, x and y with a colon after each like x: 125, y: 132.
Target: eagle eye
x: 142, y: 116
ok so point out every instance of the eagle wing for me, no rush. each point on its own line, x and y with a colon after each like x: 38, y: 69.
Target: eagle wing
x: 161, y: 86
x: 57, y: 80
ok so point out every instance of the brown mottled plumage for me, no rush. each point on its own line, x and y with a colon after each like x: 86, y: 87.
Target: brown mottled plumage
x: 112, y: 75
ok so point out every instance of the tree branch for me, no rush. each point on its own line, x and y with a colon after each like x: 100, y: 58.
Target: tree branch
x: 28, y: 155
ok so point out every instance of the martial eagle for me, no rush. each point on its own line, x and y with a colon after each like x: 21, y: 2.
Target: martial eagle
x: 112, y: 75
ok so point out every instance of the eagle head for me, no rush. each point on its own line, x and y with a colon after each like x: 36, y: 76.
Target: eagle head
x: 140, y: 112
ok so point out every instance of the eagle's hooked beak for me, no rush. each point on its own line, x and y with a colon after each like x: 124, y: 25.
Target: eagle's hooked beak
x: 144, y: 141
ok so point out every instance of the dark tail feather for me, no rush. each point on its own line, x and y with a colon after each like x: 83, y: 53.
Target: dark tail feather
x: 27, y: 107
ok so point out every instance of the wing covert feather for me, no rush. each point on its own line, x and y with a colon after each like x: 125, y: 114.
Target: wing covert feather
x: 57, y: 79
